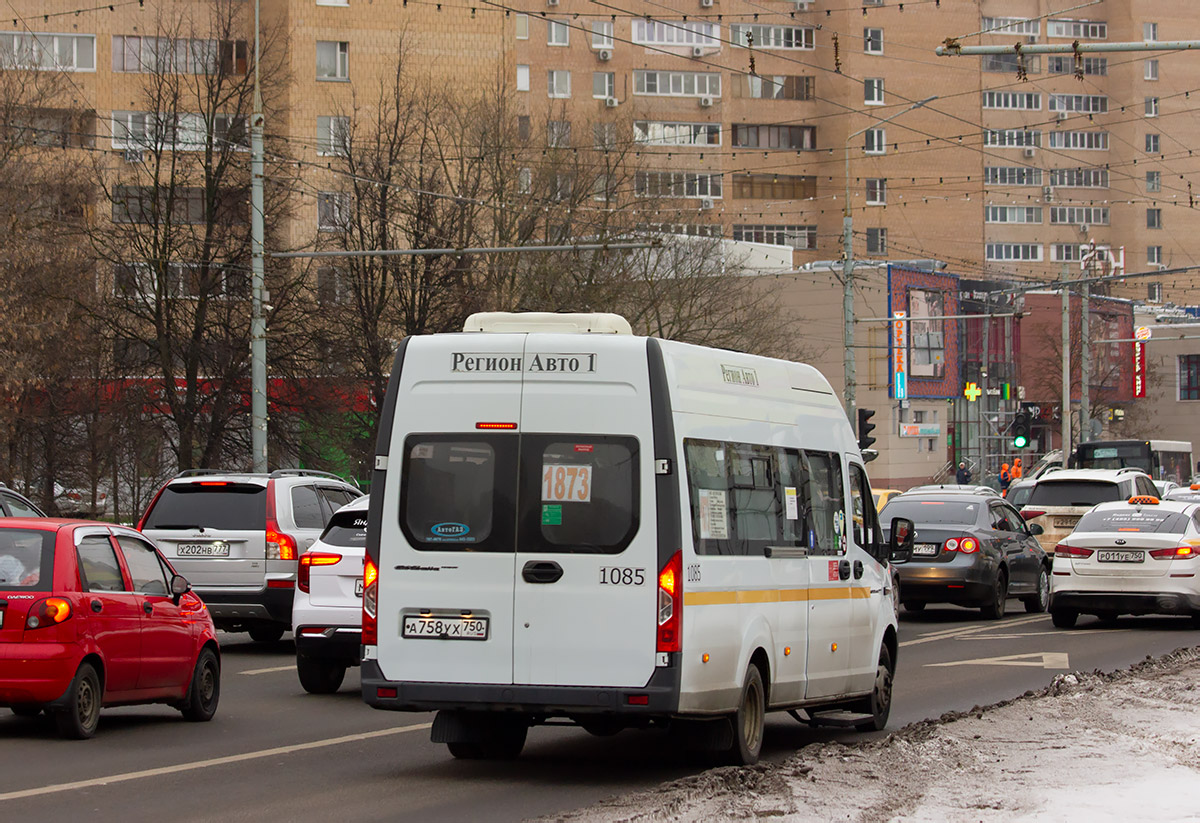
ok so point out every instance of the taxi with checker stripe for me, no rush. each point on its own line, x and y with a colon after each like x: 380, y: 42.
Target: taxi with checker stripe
x: 1129, y: 557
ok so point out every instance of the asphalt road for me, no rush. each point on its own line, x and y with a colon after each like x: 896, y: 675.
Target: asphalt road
x: 276, y: 753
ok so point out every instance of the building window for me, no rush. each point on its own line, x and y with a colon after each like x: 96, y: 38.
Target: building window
x: 676, y: 33
x: 798, y: 237
x: 751, y: 136
x: 1152, y: 107
x: 147, y: 204
x: 41, y: 51
x: 524, y: 180
x: 1011, y: 176
x: 773, y: 87
x: 1007, y: 252
x: 873, y: 91
x: 604, y: 84
x: 1012, y: 25
x: 333, y: 209
x: 604, y: 136
x: 1012, y: 100
x: 522, y: 78
x: 1077, y: 29
x: 876, y: 191
x: 771, y: 37
x: 522, y: 26
x: 1079, y: 140
x: 1013, y: 138
x: 1153, y: 144
x: 558, y: 33
x: 1154, y: 218
x: 558, y: 83
x: 774, y: 186
x: 558, y: 133
x: 657, y: 133
x: 333, y: 60
x: 1079, y: 215
x: 1011, y: 63
x: 178, y: 55
x: 1013, y: 214
x: 1085, y: 178
x: 1150, y: 31
x: 1151, y: 72
x: 873, y: 41
x: 1154, y: 255
x: 602, y: 34
x: 523, y: 127
x: 676, y: 184
x: 331, y: 286
x: 1060, y: 64
x: 927, y: 337
x: 1153, y: 181
x: 677, y: 83
x: 333, y: 135
x: 1066, y: 252
x: 875, y: 141
x: 1154, y: 292
x: 876, y: 241
x: 1189, y: 377
x: 1084, y: 103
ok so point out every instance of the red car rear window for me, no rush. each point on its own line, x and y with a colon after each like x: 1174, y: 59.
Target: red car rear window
x: 26, y: 559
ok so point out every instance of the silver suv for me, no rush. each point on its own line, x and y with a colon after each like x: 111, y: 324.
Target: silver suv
x: 236, y: 538
x: 1060, y: 497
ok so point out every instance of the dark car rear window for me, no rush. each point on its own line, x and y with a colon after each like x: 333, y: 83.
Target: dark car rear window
x: 26, y: 560
x: 347, y: 529
x: 225, y: 507
x: 1019, y: 496
x: 933, y: 512
x: 1147, y: 521
x: 1073, y: 493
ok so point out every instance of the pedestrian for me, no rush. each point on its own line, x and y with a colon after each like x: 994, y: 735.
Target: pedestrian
x: 1015, y: 472
x: 1005, y: 480
x: 963, y: 475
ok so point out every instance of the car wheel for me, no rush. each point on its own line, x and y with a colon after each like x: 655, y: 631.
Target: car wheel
x: 914, y: 606
x: 205, y: 690
x: 879, y: 704
x: 78, y: 719
x: 1064, y: 618
x: 749, y: 720
x: 266, y: 633
x: 994, y: 608
x: 319, y: 676
x: 1037, y: 603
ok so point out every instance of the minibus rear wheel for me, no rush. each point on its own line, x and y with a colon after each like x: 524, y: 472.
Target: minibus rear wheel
x: 749, y: 720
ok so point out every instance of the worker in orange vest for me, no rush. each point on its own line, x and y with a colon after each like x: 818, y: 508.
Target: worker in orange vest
x: 1005, y: 480
x: 1015, y: 472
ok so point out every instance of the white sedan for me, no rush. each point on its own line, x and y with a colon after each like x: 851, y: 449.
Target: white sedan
x: 1131, y: 557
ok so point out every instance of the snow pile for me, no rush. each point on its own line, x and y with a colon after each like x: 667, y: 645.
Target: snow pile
x: 1120, y: 746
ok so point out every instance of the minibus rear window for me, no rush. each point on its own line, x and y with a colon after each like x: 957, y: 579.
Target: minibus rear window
x: 26, y: 559
x: 456, y: 492
x: 579, y: 493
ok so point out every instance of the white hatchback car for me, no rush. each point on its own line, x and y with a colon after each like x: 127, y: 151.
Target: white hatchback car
x: 327, y: 611
x: 1135, y: 557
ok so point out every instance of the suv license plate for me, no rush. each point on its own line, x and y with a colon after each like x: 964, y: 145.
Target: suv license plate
x: 925, y: 549
x: 202, y: 550
x: 358, y: 587
x: 1065, y: 522
x: 1120, y: 557
x: 445, y: 628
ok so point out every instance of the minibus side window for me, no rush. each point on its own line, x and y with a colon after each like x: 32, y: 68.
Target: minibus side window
x: 866, y: 521
x: 793, y: 489
x: 708, y: 488
x: 756, y: 499
x: 826, y: 521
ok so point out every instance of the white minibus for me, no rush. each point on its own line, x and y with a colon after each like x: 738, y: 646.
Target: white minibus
x: 572, y: 523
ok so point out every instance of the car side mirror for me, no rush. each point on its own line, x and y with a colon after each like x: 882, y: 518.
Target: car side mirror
x: 900, y: 542
x: 1035, y: 529
x: 179, y: 587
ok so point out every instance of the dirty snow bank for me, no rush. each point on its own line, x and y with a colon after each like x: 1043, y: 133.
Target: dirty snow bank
x: 1119, y: 746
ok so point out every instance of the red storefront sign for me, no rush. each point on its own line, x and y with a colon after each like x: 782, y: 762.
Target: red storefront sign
x: 1139, y: 369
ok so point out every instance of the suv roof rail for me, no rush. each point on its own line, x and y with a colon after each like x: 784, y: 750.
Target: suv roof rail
x: 306, y: 473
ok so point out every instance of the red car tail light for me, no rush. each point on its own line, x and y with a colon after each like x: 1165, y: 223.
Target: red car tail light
x: 49, y: 611
x: 966, y: 545
x: 1029, y: 514
x: 1063, y: 550
x: 1184, y: 552
x: 310, y: 559
x: 670, y: 605
x: 370, y: 630
x: 280, y: 546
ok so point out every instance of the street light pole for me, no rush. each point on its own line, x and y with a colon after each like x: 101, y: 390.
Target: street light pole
x: 850, y: 390
x: 258, y: 324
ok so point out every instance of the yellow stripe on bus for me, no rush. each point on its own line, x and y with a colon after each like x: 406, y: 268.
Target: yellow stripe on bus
x: 732, y: 596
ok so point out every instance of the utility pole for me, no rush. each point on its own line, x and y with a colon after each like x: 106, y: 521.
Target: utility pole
x: 1065, y: 419
x: 984, y: 365
x: 258, y: 324
x: 1085, y: 365
x: 850, y: 390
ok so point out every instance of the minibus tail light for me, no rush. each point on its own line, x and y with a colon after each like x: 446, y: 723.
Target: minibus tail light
x: 670, y: 605
x: 370, y: 626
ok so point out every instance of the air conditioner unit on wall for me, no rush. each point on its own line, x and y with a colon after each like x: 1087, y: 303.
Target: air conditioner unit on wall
x: 611, y: 102
x: 697, y: 51
x: 551, y: 2
x: 1048, y: 194
x: 1030, y: 151
x: 706, y: 203
x: 1062, y: 115
x: 1084, y: 228
x: 706, y: 3
x: 802, y: 5
x: 604, y: 54
x: 706, y: 102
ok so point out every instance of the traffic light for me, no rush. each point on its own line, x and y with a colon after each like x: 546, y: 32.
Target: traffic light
x: 1020, y: 429
x: 865, y: 427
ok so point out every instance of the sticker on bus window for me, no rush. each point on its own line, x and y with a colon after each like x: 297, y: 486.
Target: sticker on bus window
x: 586, y: 448
x: 551, y: 514
x: 714, y: 519
x: 424, y: 452
x: 791, y: 508
x: 571, y: 484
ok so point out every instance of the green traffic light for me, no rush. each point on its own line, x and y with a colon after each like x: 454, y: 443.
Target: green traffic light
x: 1020, y: 441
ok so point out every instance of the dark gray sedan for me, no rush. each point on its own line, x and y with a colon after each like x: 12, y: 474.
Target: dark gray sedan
x: 970, y: 550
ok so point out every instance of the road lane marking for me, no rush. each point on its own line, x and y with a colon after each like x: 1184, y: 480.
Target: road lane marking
x: 1042, y: 660
x: 1056, y: 633
x: 971, y: 630
x: 204, y: 764
x: 292, y: 667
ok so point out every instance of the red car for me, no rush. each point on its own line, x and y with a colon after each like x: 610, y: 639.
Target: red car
x: 92, y: 616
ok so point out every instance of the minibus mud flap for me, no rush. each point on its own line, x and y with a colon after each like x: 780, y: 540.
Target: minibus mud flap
x: 833, y: 717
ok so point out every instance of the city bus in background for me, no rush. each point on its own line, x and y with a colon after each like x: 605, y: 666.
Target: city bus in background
x: 1161, y: 459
